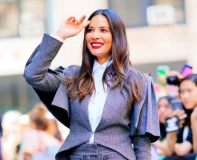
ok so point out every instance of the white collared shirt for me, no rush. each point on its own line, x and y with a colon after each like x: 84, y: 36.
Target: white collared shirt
x: 98, y: 98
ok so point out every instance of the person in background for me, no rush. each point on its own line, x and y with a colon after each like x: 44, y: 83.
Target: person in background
x: 52, y: 127
x: 188, y: 96
x: 36, y: 140
x: 180, y: 142
x: 11, y: 134
x: 183, y: 144
x: 164, y: 111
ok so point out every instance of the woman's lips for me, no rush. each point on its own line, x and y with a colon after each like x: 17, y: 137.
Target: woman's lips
x: 186, y: 102
x: 96, y: 45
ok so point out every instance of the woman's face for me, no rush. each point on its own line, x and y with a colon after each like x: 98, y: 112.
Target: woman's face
x: 188, y: 94
x: 99, y: 38
x: 164, y: 110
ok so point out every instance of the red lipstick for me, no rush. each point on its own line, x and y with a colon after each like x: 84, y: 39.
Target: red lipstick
x: 96, y: 45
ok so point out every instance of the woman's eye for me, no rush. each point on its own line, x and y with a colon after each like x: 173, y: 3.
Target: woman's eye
x: 103, y: 30
x: 89, y: 30
x: 180, y: 92
x: 190, y: 90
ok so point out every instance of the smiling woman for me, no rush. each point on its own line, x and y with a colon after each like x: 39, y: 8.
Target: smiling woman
x: 99, y: 38
x: 104, y: 101
x: 188, y: 95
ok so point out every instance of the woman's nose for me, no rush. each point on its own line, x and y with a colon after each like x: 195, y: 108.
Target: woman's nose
x: 185, y: 95
x: 95, y: 35
x: 162, y: 109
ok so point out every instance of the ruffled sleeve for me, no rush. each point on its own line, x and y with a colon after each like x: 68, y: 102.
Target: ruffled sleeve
x: 144, y: 116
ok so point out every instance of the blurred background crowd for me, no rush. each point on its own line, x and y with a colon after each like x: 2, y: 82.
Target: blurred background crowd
x: 162, y: 36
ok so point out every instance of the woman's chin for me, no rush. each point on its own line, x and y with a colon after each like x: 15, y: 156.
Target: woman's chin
x: 189, y: 106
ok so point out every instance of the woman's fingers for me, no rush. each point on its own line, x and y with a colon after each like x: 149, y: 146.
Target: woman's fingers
x: 183, y: 116
x: 179, y: 113
x: 73, y: 20
x: 81, y: 19
x: 174, y: 113
x: 80, y: 22
x: 86, y: 24
x: 70, y: 18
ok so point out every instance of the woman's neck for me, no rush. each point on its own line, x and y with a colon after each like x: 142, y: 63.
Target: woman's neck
x: 102, y: 60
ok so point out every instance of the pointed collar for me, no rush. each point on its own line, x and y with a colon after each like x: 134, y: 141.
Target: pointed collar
x: 104, y: 65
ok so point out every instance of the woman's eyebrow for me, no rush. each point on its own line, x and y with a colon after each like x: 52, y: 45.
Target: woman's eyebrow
x: 104, y: 27
x: 99, y: 27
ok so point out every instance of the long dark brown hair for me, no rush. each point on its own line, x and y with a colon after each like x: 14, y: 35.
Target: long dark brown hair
x: 120, y: 71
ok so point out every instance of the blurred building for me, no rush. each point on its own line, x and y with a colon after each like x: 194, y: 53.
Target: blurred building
x: 160, y: 32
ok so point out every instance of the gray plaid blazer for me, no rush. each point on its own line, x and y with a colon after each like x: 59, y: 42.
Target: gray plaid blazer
x: 121, y: 122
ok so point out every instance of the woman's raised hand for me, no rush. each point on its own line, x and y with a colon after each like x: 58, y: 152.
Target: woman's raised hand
x: 71, y: 27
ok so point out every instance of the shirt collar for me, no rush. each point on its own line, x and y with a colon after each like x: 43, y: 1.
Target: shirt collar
x: 104, y: 65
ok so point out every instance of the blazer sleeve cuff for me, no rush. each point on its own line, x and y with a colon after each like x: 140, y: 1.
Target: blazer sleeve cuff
x: 144, y: 117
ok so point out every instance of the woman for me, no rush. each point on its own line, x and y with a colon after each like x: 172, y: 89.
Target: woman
x: 164, y: 111
x: 52, y: 126
x: 188, y: 95
x: 36, y: 140
x: 168, y: 106
x: 105, y: 103
x: 183, y: 142
x: 160, y: 148
x: 186, y: 138
x: 11, y: 134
